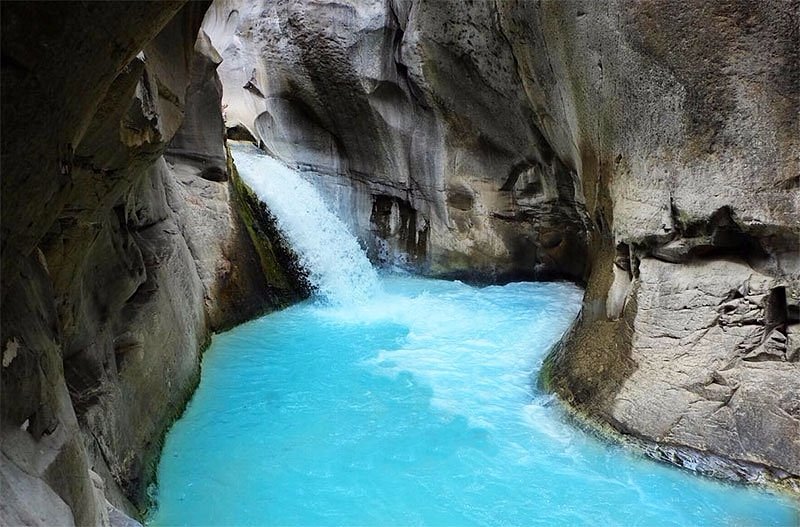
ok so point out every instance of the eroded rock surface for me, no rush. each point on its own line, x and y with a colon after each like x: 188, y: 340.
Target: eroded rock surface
x: 649, y: 149
x: 710, y: 343
x: 688, y: 147
x: 415, y: 119
x: 117, y: 261
x: 686, y: 141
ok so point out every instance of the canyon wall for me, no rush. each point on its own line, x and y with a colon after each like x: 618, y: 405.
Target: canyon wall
x: 647, y: 149
x: 685, y: 120
x: 121, y: 249
x: 415, y: 116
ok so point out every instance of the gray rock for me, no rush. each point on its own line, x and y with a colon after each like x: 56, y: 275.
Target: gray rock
x: 201, y: 138
x: 650, y: 149
x: 116, y: 265
x: 707, y: 373
x: 339, y: 89
x: 28, y: 500
x: 687, y: 145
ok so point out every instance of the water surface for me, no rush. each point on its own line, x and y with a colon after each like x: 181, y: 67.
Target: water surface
x: 416, y: 407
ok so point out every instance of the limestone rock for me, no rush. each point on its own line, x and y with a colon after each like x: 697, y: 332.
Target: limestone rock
x: 371, y: 96
x: 112, y: 277
x: 682, y: 121
x: 648, y: 148
x: 712, y: 371
x: 201, y: 137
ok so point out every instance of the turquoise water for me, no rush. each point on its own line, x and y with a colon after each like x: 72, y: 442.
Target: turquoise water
x: 416, y: 406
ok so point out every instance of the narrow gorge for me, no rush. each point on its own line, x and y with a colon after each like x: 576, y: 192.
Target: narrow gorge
x: 647, y: 151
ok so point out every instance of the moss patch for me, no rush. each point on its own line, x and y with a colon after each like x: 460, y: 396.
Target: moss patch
x: 278, y: 261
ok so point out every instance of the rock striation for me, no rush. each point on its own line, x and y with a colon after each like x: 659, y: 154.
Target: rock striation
x: 647, y: 149
x: 122, y: 249
x: 415, y: 116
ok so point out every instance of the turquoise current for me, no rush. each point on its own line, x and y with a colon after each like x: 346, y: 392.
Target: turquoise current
x: 398, y: 400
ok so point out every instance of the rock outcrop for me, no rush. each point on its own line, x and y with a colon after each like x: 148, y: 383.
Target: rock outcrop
x: 684, y: 121
x: 648, y: 148
x: 425, y: 137
x: 117, y: 261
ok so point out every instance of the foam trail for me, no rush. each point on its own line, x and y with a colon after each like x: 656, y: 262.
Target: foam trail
x: 338, y: 268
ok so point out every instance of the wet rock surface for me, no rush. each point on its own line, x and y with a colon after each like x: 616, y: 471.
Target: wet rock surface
x: 118, y: 261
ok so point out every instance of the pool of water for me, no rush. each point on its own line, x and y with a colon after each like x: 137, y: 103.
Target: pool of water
x: 416, y: 406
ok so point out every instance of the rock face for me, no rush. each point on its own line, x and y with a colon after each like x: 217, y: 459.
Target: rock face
x: 416, y: 119
x: 117, y: 261
x: 688, y: 151
x: 732, y: 383
x: 650, y: 148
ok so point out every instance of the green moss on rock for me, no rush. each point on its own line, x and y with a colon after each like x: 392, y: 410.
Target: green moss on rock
x: 278, y: 261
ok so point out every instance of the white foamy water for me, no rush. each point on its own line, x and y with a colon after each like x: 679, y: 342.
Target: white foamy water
x: 338, y: 268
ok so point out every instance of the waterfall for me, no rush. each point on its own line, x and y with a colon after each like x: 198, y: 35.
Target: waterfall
x: 337, y: 266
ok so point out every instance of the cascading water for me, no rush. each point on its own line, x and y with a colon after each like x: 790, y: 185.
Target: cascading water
x: 411, y: 403
x: 338, y: 269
